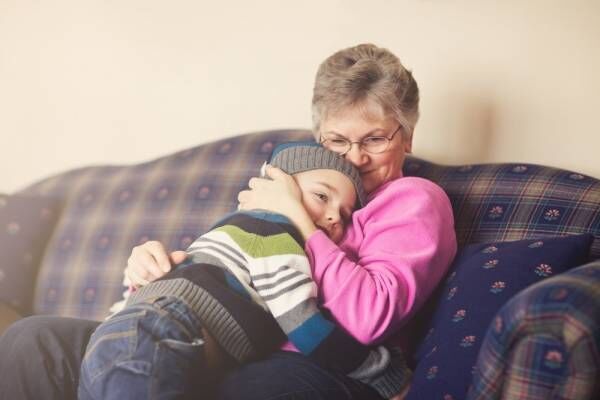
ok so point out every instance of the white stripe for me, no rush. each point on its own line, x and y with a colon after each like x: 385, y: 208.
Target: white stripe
x: 297, y: 262
x: 221, y: 237
x: 291, y: 299
x: 283, y: 285
x: 288, y: 299
x: 280, y: 275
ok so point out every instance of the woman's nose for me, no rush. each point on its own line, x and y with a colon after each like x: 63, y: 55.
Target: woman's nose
x: 356, y: 156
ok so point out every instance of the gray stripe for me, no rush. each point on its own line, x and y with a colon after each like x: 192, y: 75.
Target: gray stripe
x: 287, y: 289
x: 202, y: 239
x: 220, y: 251
x: 271, y: 274
x: 205, y: 258
x: 278, y: 282
x: 215, y: 318
x: 295, y: 317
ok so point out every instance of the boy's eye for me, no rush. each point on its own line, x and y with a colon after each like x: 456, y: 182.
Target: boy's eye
x: 321, y: 196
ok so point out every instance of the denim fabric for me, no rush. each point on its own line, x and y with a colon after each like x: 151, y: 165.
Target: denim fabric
x: 40, y: 359
x: 149, y: 350
x: 288, y: 375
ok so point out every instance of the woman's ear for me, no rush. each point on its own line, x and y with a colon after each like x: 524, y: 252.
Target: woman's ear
x: 407, y: 144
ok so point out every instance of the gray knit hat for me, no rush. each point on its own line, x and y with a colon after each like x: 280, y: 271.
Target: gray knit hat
x: 294, y: 157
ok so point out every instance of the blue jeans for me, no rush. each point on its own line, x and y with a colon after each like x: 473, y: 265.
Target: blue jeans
x: 149, y: 350
x: 40, y: 358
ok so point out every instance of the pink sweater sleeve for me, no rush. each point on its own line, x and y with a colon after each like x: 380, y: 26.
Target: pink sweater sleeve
x: 397, y: 249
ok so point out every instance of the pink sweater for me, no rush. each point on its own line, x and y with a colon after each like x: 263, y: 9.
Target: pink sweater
x: 394, y: 253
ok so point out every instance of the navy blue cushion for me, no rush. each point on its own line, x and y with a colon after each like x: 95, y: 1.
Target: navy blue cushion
x: 483, y: 278
x: 26, y: 223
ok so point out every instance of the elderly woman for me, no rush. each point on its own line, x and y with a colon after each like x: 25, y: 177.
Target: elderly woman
x: 398, y: 247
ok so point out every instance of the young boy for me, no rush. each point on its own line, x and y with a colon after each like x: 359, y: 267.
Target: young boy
x: 247, y: 282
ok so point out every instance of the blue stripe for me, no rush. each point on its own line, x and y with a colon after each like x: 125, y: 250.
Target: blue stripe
x: 311, y: 333
x: 235, y: 284
x: 258, y: 214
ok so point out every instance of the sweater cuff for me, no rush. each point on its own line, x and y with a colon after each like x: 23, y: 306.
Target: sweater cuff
x: 395, y: 379
x: 214, y: 316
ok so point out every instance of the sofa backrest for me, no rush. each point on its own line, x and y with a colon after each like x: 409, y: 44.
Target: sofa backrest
x: 512, y: 201
x: 109, y: 209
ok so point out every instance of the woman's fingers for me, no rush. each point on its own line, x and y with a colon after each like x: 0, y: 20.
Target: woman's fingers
x: 254, y: 182
x: 177, y: 257
x: 242, y: 198
x: 157, y: 250
x: 134, y: 279
x: 147, y: 262
x: 275, y: 173
x: 262, y: 192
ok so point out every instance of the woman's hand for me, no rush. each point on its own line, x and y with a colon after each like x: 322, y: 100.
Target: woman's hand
x: 280, y: 194
x: 150, y: 261
x: 263, y: 192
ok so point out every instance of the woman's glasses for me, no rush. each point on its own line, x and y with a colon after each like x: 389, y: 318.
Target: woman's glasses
x: 370, y: 144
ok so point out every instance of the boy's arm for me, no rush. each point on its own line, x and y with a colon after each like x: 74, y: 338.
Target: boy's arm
x: 284, y: 282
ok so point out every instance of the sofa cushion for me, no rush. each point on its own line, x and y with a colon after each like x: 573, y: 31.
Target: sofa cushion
x: 544, y: 343
x: 482, y: 279
x: 26, y: 223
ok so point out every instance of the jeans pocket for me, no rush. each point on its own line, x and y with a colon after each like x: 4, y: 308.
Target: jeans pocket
x: 179, y: 368
x: 113, y: 341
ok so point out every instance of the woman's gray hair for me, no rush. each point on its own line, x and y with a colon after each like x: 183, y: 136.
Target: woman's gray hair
x: 364, y: 76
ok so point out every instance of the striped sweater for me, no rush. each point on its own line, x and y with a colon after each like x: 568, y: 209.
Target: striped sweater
x: 249, y: 279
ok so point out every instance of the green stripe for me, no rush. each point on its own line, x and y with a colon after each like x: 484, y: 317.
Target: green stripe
x: 257, y: 246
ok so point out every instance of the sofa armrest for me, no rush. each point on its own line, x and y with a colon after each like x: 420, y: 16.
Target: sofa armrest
x: 544, y: 343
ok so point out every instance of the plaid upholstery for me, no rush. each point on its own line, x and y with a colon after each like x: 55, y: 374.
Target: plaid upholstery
x: 544, y: 343
x: 109, y: 209
x: 504, y: 202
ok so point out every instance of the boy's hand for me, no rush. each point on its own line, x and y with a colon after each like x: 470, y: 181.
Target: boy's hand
x: 150, y: 261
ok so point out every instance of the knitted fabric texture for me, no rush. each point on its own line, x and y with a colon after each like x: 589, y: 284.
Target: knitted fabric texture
x: 259, y: 263
x: 295, y: 157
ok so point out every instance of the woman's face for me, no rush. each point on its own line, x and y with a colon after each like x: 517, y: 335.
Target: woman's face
x: 354, y: 125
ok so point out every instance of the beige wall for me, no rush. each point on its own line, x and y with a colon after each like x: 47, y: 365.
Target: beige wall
x: 102, y: 81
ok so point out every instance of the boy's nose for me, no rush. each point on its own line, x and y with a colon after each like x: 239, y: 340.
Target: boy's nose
x: 333, y: 216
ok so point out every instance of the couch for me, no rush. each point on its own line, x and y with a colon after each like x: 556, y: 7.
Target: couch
x: 101, y: 212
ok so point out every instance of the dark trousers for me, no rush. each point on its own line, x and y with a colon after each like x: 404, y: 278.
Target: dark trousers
x: 40, y: 358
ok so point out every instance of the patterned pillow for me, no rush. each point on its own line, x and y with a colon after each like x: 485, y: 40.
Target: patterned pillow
x: 26, y: 223
x: 482, y: 278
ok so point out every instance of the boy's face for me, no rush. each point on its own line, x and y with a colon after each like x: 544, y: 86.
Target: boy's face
x: 329, y: 197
